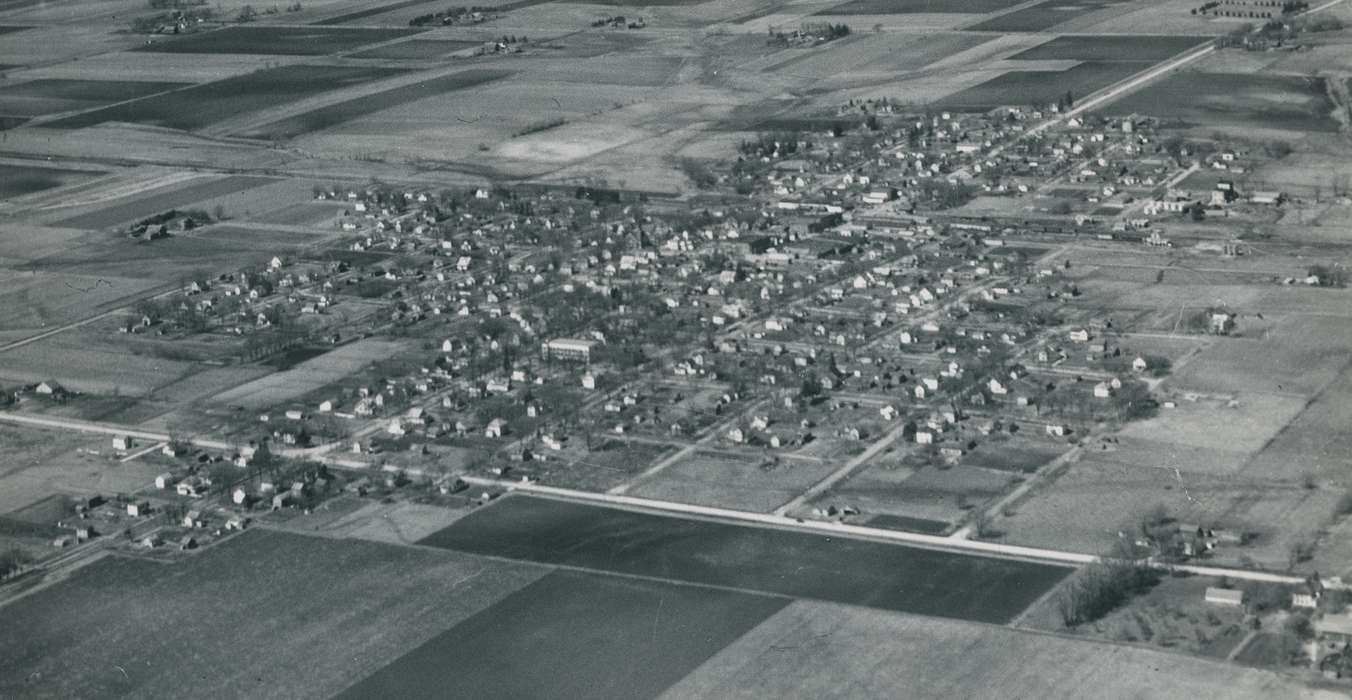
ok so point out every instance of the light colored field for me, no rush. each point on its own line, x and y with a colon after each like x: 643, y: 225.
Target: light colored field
x: 46, y: 463
x: 1298, y: 357
x: 825, y: 651
x: 308, y: 376
x: 20, y: 243
x: 1085, y: 508
x: 1317, y: 442
x: 41, y: 301
x: 1240, y: 430
x: 84, y: 365
x: 137, y: 65
x: 729, y: 482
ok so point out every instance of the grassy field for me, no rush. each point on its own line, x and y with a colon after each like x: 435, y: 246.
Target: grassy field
x: 572, y: 635
x: 343, y: 112
x: 886, y: 487
x: 1148, y: 49
x: 33, y: 302
x: 278, y: 41
x: 728, y: 481
x: 1209, y: 100
x: 202, y: 105
x: 327, y: 611
x: 775, y: 561
x: 828, y: 651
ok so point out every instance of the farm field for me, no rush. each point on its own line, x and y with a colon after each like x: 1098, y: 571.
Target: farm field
x: 343, y: 112
x: 1195, y: 99
x: 417, y: 49
x: 812, y: 649
x: 1044, y: 15
x: 571, y: 635
x: 278, y: 41
x: 53, y: 95
x: 729, y: 481
x: 1299, y: 356
x: 906, y: 7
x: 17, y: 180
x: 775, y: 561
x: 272, y: 599
x: 1030, y: 87
x: 138, y: 206
x: 1134, y: 48
x: 308, y: 376
x: 202, y: 105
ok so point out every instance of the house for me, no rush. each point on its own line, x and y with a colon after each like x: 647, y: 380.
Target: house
x: 495, y: 428
x: 1139, y: 364
x: 996, y: 387
x: 1336, y: 628
x: 1224, y: 596
x: 49, y: 389
x: 924, y: 437
x: 122, y: 443
x: 281, y: 500
x: 1102, y: 390
x: 165, y: 480
x: 1056, y: 430
x: 239, y: 496
x: 588, y: 381
x: 1304, y: 600
x: 138, y: 509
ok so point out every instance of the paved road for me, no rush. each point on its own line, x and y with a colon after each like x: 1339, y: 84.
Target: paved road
x: 761, y: 519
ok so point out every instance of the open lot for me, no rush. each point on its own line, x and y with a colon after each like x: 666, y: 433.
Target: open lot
x: 202, y: 105
x: 827, y: 651
x: 775, y: 561
x: 308, y: 376
x: 54, y: 95
x: 1208, y: 100
x: 343, y: 112
x: 269, y: 598
x: 572, y: 635
x: 726, y: 480
x: 278, y: 41
x: 1080, y: 47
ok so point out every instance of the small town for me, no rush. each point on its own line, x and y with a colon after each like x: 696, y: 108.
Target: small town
x: 1052, y: 365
